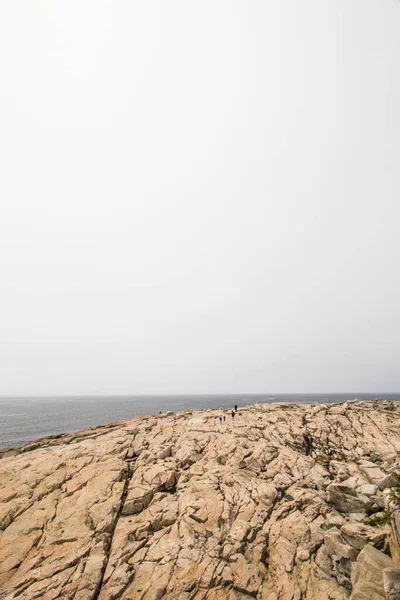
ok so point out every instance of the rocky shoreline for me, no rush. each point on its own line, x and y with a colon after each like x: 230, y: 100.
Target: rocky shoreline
x: 271, y: 506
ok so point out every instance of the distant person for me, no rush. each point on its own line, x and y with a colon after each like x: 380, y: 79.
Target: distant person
x: 235, y: 408
x: 233, y: 415
x: 220, y: 417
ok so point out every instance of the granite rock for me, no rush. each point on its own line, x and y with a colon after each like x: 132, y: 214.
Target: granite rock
x: 179, y: 506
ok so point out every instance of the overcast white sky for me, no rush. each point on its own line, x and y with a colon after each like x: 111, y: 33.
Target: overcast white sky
x: 199, y: 196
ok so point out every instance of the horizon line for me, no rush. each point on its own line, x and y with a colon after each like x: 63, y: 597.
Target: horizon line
x: 150, y: 395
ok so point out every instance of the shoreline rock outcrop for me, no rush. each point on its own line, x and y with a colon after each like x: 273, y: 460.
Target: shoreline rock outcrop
x: 270, y: 506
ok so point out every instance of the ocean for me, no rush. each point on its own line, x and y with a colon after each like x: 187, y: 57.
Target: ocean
x: 26, y: 419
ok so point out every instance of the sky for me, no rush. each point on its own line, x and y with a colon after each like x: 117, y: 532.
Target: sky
x: 199, y: 197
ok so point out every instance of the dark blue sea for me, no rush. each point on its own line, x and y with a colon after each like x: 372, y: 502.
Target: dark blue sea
x: 26, y: 419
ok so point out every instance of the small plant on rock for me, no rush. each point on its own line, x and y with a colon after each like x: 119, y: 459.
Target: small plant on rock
x: 394, y: 495
x: 379, y: 519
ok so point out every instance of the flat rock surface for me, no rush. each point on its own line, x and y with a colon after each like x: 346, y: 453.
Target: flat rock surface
x: 180, y: 506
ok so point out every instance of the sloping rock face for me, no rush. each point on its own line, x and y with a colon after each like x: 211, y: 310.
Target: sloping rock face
x: 270, y: 506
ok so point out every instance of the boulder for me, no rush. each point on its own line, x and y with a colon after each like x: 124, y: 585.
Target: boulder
x: 336, y: 545
x: 373, y: 473
x: 367, y: 575
x: 358, y: 535
x: 346, y: 500
x: 368, y: 489
x: 389, y: 481
x: 334, y: 519
x: 391, y: 583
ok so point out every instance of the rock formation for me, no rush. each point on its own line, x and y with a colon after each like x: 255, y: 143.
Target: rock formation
x: 180, y: 506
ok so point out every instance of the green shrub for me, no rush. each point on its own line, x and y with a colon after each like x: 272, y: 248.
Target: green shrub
x: 378, y: 520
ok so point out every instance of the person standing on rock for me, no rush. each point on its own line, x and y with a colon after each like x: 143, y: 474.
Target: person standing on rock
x: 220, y: 418
x: 233, y: 415
x: 235, y: 408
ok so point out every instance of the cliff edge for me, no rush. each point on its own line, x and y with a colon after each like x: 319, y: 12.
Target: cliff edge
x: 270, y: 506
